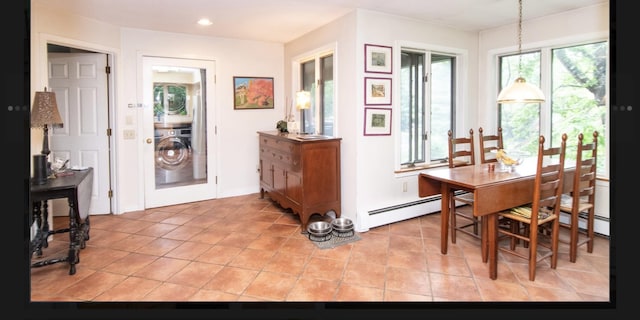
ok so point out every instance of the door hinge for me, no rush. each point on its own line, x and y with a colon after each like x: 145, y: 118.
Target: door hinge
x: 426, y: 78
x: 110, y: 194
x: 107, y: 69
x: 109, y: 132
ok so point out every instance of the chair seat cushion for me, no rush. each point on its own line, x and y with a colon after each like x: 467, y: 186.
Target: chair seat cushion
x: 566, y: 204
x: 465, y: 197
x: 523, y: 213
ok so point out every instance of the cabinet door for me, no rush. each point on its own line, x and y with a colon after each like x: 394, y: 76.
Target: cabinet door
x: 266, y: 173
x: 294, y: 191
x: 279, y: 178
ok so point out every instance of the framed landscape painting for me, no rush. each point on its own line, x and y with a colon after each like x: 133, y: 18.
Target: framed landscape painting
x: 377, y: 91
x: 253, y: 93
x: 377, y: 58
x: 377, y: 121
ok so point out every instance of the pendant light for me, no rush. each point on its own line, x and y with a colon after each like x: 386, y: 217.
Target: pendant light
x: 520, y: 91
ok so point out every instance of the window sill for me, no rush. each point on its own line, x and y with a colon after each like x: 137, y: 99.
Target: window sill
x: 421, y: 167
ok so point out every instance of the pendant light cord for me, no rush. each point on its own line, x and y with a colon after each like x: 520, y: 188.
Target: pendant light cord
x: 519, y: 38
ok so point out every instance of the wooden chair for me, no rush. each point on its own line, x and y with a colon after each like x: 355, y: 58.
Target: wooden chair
x: 582, y: 198
x: 547, y: 194
x: 461, y: 153
x: 489, y: 143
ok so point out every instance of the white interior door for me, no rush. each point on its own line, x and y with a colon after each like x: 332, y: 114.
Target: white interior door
x: 79, y: 81
x: 179, y: 149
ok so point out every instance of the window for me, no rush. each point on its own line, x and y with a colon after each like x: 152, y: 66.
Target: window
x: 576, y: 101
x: 316, y: 76
x: 169, y: 99
x: 427, y: 104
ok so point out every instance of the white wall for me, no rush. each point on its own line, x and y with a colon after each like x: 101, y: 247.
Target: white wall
x: 368, y: 179
x: 237, y: 140
x: 59, y: 28
x: 367, y: 164
x: 341, y: 34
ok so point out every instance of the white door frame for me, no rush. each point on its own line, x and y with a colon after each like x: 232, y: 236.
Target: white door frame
x: 157, y: 197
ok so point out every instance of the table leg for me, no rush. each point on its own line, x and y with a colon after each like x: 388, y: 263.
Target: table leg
x: 74, y: 241
x: 45, y: 224
x: 36, y: 243
x: 444, y: 216
x: 492, y: 225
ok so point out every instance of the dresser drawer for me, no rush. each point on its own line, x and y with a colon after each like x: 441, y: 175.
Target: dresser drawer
x: 278, y: 144
x: 288, y: 159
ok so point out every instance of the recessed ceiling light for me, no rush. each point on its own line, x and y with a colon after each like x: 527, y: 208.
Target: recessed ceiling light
x: 205, y: 22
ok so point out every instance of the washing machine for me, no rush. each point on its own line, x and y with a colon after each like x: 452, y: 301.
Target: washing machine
x: 173, y: 155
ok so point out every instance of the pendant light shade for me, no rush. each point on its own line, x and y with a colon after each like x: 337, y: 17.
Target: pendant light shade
x: 520, y: 91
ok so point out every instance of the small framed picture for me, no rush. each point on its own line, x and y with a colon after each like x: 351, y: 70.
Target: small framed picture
x: 252, y: 93
x: 377, y: 58
x: 377, y: 121
x: 377, y: 91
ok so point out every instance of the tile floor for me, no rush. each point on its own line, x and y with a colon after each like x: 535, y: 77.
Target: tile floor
x: 249, y: 249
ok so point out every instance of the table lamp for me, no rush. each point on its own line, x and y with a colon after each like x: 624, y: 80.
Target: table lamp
x: 303, y: 102
x: 44, y: 113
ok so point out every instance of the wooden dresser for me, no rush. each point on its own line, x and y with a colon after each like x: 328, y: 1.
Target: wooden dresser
x: 301, y: 172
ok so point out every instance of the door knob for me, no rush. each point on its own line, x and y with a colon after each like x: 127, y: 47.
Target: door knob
x: 149, y: 140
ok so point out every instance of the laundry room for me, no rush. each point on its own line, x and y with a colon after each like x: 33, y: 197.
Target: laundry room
x: 179, y: 151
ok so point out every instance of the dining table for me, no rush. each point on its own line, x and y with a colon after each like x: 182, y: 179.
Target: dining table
x: 494, y: 190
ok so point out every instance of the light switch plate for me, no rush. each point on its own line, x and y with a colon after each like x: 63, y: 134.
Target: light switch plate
x: 129, y: 134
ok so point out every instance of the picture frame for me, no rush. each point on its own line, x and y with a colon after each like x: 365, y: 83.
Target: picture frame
x: 377, y: 91
x: 377, y: 121
x: 377, y: 58
x: 253, y: 93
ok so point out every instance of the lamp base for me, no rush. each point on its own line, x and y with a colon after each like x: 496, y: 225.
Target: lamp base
x: 40, y: 170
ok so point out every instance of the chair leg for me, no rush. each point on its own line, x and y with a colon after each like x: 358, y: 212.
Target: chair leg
x: 513, y: 228
x: 590, y: 232
x: 533, y: 253
x: 475, y: 226
x: 573, y: 237
x: 452, y: 213
x: 483, y: 238
x: 555, y: 234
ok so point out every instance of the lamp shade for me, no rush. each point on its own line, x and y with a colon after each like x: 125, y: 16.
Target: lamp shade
x: 521, y: 92
x: 45, y: 110
x: 303, y: 100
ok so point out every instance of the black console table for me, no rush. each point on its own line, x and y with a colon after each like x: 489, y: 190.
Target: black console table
x: 76, y: 186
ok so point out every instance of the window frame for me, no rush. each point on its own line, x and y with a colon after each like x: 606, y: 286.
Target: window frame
x: 318, y: 97
x: 459, y: 87
x: 546, y: 73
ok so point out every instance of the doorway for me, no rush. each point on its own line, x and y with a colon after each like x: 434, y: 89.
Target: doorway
x: 81, y: 81
x: 179, y: 162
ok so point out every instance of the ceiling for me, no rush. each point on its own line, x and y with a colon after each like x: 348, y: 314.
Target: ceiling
x: 285, y: 20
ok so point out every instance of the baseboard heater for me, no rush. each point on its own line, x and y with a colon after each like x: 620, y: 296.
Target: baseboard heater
x: 405, y: 211
x: 404, y: 205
